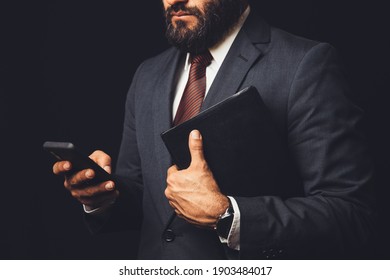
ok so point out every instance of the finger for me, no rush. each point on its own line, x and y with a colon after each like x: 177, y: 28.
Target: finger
x: 195, y: 144
x: 98, y: 200
x: 197, y: 223
x: 81, y: 178
x: 61, y: 167
x: 102, y: 159
x: 177, y: 211
x: 172, y: 205
x: 95, y: 190
x: 171, y: 175
x: 172, y: 170
x: 179, y: 214
x: 169, y: 194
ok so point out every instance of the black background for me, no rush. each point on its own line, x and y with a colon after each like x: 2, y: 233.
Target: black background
x: 65, y: 67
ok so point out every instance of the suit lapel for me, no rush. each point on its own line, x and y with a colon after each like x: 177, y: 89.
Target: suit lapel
x: 245, y: 51
x: 162, y: 120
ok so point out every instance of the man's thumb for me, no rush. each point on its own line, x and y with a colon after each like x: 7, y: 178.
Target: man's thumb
x: 195, y: 144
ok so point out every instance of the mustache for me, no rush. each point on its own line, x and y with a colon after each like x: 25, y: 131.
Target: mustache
x: 181, y: 7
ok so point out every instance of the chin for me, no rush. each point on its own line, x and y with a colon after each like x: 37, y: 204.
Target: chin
x: 185, y: 24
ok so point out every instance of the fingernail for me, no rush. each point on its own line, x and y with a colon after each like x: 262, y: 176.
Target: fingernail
x: 107, y: 168
x: 195, y: 134
x: 66, y: 165
x: 89, y: 174
x: 109, y: 186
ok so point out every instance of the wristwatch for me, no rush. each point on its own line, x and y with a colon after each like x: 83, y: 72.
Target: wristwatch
x: 225, y: 222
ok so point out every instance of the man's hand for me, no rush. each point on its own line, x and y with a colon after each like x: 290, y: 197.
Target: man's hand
x: 193, y: 193
x: 77, y: 184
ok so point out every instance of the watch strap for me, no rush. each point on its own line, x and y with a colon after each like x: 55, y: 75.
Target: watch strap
x: 225, y: 222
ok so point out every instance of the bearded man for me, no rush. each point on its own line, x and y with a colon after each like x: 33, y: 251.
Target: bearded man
x: 220, y: 47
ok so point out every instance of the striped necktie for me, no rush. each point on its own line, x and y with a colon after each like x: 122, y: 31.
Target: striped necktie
x: 195, y: 89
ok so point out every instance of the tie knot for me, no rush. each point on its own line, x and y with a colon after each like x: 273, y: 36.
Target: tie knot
x: 203, y: 59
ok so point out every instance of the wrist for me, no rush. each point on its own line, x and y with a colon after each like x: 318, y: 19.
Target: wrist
x: 223, y: 204
x: 225, y: 220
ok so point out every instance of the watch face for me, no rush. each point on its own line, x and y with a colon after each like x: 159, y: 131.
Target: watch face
x: 224, y: 225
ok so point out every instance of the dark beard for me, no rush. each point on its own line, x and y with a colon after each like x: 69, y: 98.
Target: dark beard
x: 220, y: 16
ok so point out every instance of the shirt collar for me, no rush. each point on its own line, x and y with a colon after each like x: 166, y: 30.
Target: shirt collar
x: 220, y: 51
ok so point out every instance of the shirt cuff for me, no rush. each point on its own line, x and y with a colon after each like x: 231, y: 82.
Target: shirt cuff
x: 233, y: 240
x: 98, y: 210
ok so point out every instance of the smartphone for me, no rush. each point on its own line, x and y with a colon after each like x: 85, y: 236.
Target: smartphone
x: 67, y: 151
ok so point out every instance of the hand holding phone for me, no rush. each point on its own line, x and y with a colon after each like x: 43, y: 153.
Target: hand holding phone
x: 85, y: 177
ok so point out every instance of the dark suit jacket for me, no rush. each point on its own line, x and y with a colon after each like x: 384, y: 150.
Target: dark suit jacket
x: 327, y: 213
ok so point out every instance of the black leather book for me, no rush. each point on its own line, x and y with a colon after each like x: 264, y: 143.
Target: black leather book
x: 241, y: 145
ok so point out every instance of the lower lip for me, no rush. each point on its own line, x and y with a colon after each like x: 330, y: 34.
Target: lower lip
x: 181, y: 16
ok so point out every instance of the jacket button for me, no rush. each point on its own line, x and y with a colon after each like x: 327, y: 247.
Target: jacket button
x: 169, y: 235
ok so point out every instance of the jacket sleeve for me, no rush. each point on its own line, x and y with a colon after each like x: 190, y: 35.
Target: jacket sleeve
x: 334, y: 217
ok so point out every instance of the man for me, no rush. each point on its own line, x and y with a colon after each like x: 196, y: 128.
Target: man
x: 220, y: 47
